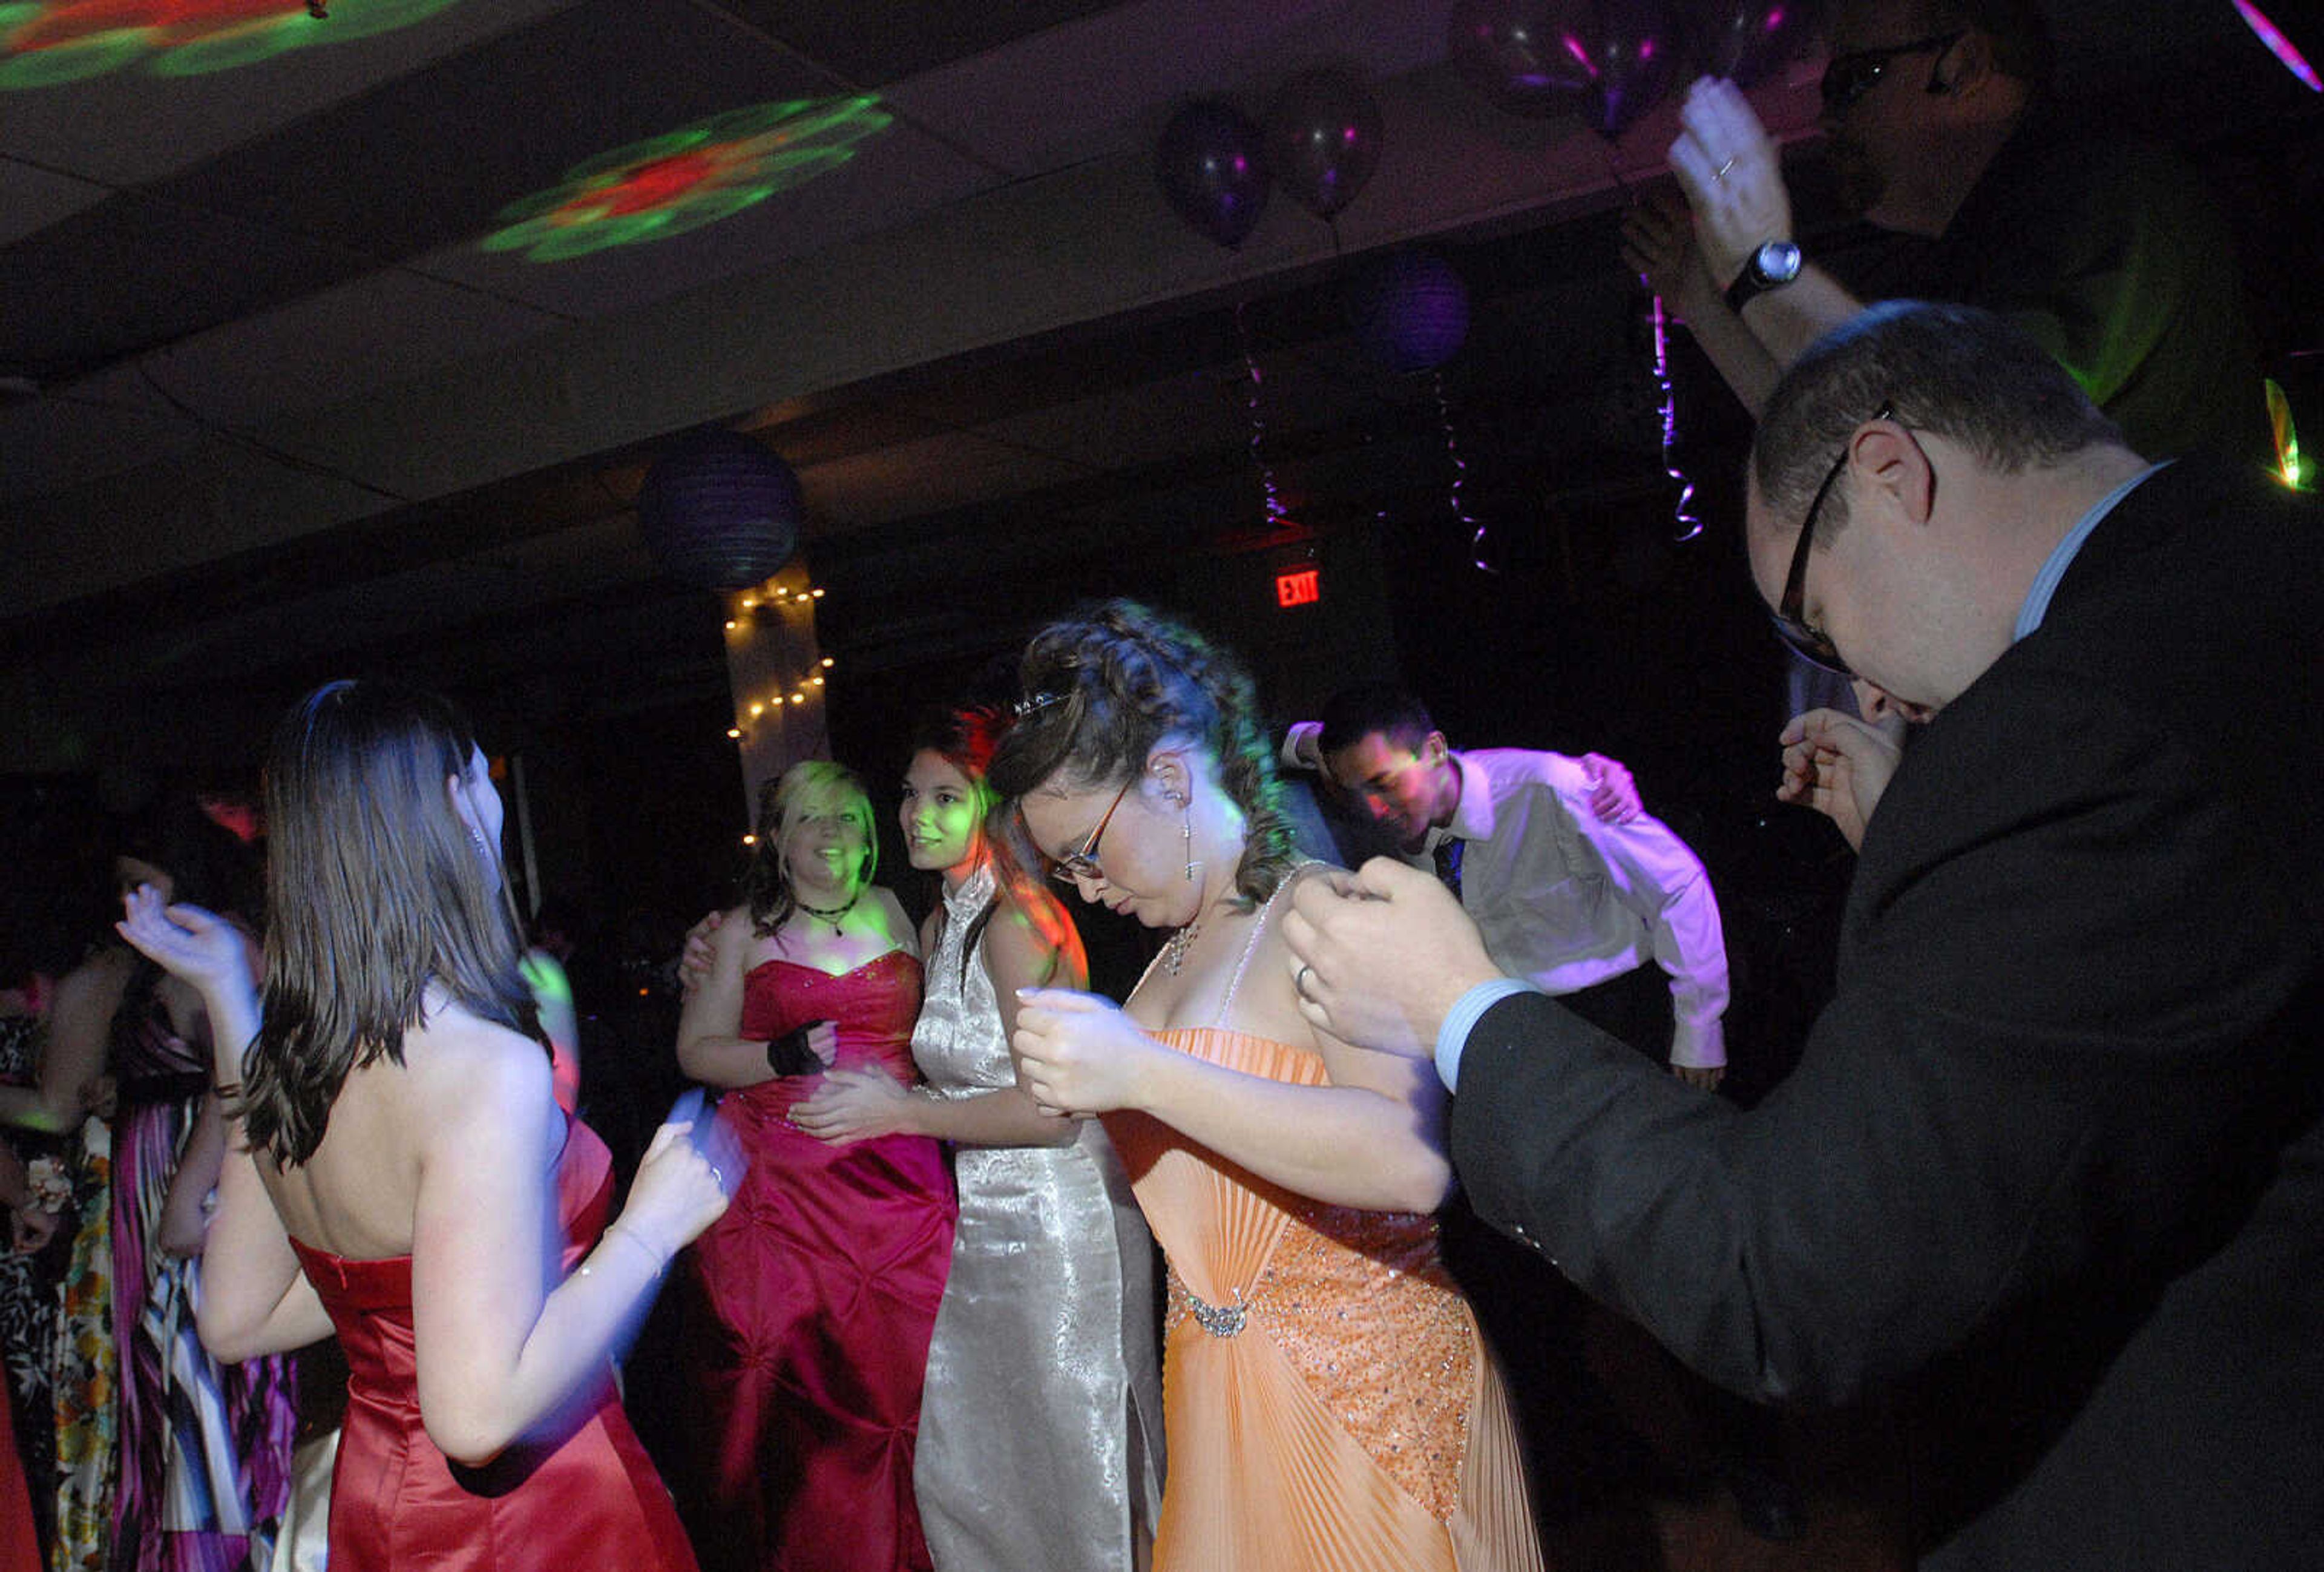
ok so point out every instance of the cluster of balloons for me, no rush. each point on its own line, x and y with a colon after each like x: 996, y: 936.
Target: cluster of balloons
x: 1320, y: 144
x: 1608, y: 61
x: 1611, y: 59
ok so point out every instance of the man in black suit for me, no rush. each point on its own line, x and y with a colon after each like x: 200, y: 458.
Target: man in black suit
x: 2057, y: 1133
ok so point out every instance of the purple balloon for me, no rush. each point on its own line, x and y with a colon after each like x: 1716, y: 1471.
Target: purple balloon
x: 1635, y: 55
x: 1212, y: 170
x: 1323, y: 140
x: 1745, y: 40
x: 1609, y: 59
x: 1526, y: 57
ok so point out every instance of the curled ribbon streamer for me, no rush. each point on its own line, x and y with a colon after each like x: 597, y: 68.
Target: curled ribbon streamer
x: 1460, y: 475
x: 1692, y: 525
x: 1276, y: 514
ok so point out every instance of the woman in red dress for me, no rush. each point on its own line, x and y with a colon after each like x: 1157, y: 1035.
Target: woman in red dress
x: 403, y: 1175
x: 819, y: 1289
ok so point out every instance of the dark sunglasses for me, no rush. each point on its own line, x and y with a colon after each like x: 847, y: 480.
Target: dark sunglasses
x: 1808, y: 642
x: 1848, y: 77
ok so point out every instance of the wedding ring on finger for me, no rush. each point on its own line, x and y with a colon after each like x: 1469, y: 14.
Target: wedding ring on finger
x: 1299, y: 982
x: 1720, y: 172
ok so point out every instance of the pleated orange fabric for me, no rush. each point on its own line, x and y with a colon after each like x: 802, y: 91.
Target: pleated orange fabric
x: 1329, y: 1404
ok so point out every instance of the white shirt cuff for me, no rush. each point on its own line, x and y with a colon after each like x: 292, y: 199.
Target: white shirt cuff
x: 1700, y: 1048
x: 1453, y: 1037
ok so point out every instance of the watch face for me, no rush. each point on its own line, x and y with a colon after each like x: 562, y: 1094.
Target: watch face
x: 1776, y: 263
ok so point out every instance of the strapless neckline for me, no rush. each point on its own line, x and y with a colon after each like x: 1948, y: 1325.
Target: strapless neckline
x: 832, y: 977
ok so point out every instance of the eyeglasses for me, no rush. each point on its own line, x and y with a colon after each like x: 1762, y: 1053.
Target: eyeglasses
x: 1811, y: 644
x: 1081, y: 863
x: 1847, y: 77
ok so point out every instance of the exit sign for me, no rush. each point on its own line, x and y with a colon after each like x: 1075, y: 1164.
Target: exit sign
x: 1302, y: 586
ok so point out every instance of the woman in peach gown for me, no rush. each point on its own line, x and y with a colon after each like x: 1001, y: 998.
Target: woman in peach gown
x: 1328, y: 1402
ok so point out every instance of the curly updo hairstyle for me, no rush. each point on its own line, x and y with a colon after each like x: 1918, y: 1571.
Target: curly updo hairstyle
x: 1104, y: 686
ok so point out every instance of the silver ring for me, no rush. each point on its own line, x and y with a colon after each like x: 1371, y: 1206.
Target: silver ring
x: 1720, y: 172
x: 716, y: 1178
x: 1299, y: 982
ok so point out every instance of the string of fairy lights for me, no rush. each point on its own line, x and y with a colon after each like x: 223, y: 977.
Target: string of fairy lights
x: 777, y: 669
x: 748, y: 607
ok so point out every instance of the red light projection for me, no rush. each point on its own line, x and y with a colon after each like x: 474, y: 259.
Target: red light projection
x: 43, y: 43
x: 1302, y: 586
x: 682, y: 179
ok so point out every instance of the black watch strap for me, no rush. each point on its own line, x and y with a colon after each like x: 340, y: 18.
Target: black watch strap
x: 1771, y: 266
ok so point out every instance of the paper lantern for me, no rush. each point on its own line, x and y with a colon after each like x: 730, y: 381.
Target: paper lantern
x: 720, y: 511
x: 1410, y: 311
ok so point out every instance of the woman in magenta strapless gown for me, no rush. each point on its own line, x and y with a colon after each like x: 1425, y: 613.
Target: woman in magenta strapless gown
x: 403, y: 1175
x: 818, y: 1290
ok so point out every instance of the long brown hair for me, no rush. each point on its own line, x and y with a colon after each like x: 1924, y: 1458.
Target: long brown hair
x: 966, y: 737
x: 375, y: 888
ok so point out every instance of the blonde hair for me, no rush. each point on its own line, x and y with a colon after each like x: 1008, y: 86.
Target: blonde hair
x: 766, y: 887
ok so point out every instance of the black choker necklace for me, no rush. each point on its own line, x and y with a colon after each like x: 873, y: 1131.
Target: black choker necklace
x: 833, y: 915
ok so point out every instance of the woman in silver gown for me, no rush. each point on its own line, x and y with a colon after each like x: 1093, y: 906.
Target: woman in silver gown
x: 1040, y: 1438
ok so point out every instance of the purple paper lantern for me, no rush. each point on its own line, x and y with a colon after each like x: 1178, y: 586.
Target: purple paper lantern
x: 720, y: 511
x: 1410, y: 311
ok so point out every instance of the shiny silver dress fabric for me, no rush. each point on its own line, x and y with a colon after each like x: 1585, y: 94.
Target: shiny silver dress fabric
x: 1040, y: 1426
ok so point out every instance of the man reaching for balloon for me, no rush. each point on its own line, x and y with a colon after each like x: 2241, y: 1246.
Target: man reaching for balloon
x: 1938, y: 123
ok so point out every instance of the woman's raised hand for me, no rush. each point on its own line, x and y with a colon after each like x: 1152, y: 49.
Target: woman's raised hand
x: 200, y: 946
x: 1077, y: 1053
x: 689, y: 1172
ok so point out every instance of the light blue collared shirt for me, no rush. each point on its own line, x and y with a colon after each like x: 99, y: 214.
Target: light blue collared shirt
x: 2061, y: 557
x: 1462, y: 1019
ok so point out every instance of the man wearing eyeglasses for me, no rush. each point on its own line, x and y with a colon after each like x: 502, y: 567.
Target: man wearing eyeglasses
x: 2050, y: 1169
x: 1937, y: 125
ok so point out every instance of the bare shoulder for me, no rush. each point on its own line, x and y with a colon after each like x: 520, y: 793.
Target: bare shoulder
x: 100, y: 976
x: 464, y: 1071
x: 1031, y: 942
x: 891, y: 911
x: 734, y: 934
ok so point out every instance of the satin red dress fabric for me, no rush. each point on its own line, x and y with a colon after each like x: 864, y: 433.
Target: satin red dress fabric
x: 818, y: 1291
x: 20, y: 1548
x: 591, y: 1499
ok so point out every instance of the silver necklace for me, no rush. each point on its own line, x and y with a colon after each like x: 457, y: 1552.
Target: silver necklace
x: 1174, y: 948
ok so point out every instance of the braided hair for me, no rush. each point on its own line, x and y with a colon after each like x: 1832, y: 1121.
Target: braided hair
x: 1107, y: 684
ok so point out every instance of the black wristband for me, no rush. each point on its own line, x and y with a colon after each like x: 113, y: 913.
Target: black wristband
x: 788, y: 1054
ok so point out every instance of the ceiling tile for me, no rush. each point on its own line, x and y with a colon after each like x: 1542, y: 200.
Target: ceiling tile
x: 133, y: 125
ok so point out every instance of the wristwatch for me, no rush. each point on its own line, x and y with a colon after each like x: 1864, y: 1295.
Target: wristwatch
x: 1774, y: 264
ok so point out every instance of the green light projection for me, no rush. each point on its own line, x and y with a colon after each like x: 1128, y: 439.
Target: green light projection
x: 45, y: 42
x: 685, y: 178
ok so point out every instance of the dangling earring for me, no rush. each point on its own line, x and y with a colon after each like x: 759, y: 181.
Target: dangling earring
x: 1187, y: 833
x: 476, y: 837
